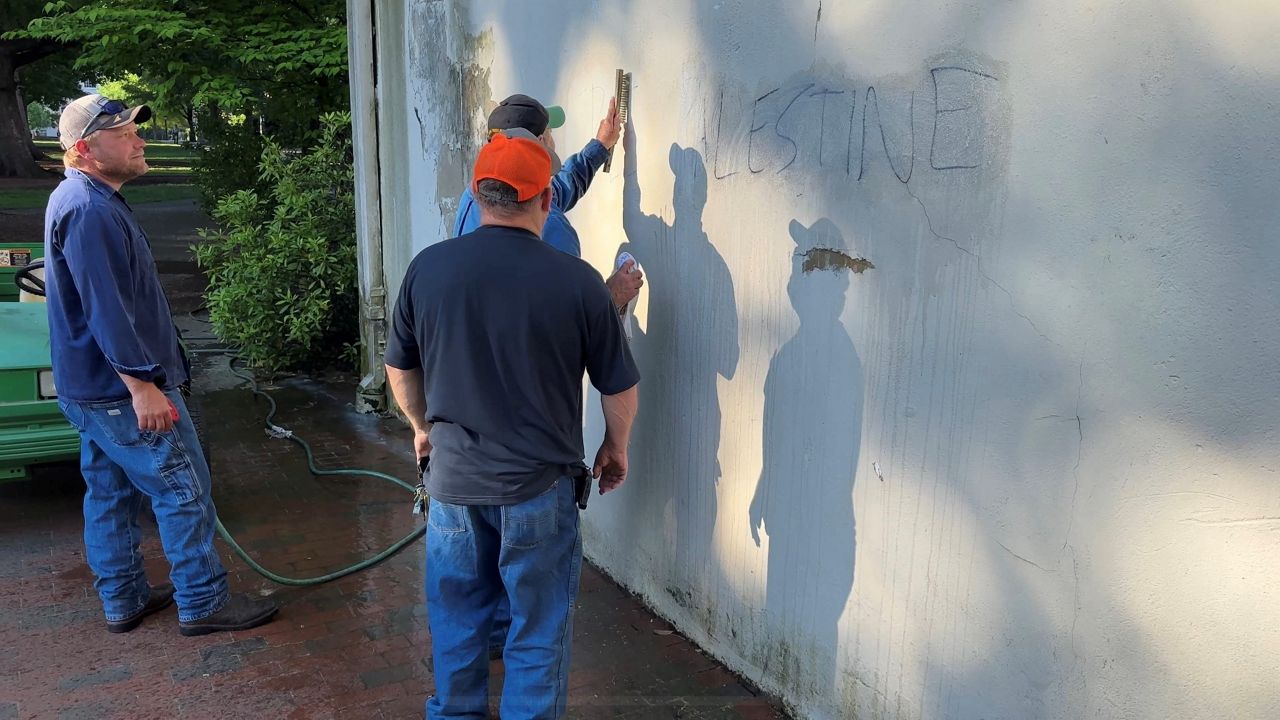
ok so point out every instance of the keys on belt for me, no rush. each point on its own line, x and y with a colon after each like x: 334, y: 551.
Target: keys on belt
x: 420, y: 499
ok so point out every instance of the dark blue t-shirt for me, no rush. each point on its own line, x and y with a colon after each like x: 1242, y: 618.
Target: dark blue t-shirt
x: 503, y: 326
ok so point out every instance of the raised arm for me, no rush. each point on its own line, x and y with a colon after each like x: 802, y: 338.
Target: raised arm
x: 579, y: 169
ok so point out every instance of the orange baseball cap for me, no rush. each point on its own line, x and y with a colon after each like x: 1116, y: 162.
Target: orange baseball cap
x: 518, y: 159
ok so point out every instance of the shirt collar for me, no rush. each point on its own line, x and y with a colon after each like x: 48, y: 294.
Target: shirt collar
x: 100, y: 187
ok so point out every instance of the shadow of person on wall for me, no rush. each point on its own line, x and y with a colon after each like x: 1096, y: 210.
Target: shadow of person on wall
x: 688, y: 341
x: 813, y: 397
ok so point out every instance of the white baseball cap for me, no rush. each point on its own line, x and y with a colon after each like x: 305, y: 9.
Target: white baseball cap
x: 91, y: 113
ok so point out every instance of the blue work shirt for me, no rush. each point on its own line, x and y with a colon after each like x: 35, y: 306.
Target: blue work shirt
x: 107, y: 311
x: 569, y: 185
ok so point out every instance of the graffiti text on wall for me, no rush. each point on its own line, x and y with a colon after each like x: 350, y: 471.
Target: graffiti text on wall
x: 815, y: 124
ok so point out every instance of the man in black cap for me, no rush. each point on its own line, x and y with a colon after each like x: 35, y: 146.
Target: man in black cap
x: 117, y: 368
x: 569, y: 184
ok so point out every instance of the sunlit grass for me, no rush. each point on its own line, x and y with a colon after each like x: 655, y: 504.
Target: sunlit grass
x: 155, y: 151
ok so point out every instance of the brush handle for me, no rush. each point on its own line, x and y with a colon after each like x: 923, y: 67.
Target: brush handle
x: 621, y: 93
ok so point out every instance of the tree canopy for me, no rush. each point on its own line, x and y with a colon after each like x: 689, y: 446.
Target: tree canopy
x: 133, y: 90
x: 34, y: 62
x: 283, y: 63
x: 235, y: 54
x: 40, y: 116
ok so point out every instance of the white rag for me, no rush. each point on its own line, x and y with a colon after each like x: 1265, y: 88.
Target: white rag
x: 623, y: 259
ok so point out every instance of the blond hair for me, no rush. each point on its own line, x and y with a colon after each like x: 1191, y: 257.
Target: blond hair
x: 72, y: 158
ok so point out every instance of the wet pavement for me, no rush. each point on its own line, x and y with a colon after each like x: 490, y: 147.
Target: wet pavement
x: 353, y: 648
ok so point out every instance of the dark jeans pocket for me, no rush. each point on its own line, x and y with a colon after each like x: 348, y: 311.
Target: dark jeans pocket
x: 156, y: 461
x: 182, y: 481
x: 526, y: 525
x: 118, y: 422
x: 174, y: 464
x: 447, y: 517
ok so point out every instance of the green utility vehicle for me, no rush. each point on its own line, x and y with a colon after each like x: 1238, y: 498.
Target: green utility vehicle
x: 32, y: 428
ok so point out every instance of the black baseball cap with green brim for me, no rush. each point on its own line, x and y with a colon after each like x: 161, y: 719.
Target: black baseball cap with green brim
x: 522, y: 111
x: 87, y: 115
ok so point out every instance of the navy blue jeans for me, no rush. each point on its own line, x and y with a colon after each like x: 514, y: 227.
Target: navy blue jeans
x: 124, y: 467
x: 531, y: 554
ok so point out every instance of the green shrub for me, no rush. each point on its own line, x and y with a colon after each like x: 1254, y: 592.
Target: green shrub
x: 282, y: 268
x: 227, y: 160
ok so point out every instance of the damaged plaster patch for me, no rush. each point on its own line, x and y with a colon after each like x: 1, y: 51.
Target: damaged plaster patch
x: 449, y: 75
x: 833, y: 260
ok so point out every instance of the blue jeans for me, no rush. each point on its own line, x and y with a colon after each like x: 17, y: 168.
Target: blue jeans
x: 124, y: 467
x: 531, y: 554
x: 501, y: 624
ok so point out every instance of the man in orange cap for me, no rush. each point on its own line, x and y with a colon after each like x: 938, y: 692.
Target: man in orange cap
x: 569, y: 183
x: 490, y: 337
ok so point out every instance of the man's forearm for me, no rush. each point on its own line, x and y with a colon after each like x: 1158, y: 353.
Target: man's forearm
x: 136, y: 385
x: 619, y: 414
x: 407, y: 389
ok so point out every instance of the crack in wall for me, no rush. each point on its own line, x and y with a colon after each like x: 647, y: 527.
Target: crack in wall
x: 1032, y: 563
x: 978, y: 258
x: 1265, y: 520
x: 817, y: 22
x: 1075, y: 490
x: 1075, y: 616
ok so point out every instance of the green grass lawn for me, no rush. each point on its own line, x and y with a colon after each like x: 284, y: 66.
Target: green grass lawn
x: 23, y: 199
x: 159, y: 193
x: 165, y: 159
x: 37, y: 198
x: 155, y: 151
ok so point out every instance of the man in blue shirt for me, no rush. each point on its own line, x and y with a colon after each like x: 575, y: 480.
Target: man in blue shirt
x: 117, y: 367
x: 568, y: 185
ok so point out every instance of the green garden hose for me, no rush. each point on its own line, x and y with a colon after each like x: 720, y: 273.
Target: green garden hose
x: 277, y: 431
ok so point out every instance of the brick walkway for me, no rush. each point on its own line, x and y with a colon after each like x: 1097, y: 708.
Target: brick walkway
x: 354, y: 648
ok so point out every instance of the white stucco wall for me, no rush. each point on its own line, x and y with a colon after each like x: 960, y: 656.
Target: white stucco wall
x: 1024, y: 467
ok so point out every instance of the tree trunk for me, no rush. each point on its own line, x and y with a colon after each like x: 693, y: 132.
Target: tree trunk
x: 36, y: 152
x: 190, y: 112
x: 16, y: 159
